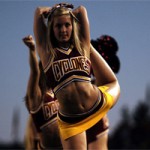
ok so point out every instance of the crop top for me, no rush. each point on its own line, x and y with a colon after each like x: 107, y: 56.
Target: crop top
x: 67, y: 66
x: 46, y: 113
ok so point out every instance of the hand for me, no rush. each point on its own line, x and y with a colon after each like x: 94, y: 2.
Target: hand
x: 29, y: 42
x: 46, y: 13
x: 67, y: 5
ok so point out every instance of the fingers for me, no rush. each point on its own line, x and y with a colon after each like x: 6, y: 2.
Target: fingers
x: 67, y: 5
x: 28, y: 38
x: 29, y: 42
x: 46, y: 12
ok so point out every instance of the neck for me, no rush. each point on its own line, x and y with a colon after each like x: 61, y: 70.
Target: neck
x: 64, y: 46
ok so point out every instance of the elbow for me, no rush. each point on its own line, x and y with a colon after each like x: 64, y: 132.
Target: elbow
x: 37, y: 15
x: 82, y: 9
x: 41, y: 10
x: 38, y: 11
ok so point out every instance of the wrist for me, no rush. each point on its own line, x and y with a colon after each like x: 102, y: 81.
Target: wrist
x: 32, y: 48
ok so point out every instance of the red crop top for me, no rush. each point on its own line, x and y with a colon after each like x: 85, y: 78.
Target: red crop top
x: 67, y: 66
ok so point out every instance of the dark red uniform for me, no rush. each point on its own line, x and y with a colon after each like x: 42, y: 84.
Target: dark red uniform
x: 67, y: 66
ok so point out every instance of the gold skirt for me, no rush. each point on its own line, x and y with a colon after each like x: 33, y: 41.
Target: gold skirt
x: 70, y: 129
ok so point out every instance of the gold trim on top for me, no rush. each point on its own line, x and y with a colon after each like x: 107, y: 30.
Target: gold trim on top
x: 67, y: 52
x: 73, y: 77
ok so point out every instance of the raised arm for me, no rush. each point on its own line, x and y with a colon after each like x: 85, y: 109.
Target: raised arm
x: 40, y: 29
x: 33, y: 95
x: 81, y: 14
x: 104, y: 75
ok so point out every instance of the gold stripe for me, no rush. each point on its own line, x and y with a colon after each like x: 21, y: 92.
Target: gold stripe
x: 49, y: 122
x: 69, y: 79
x: 67, y: 52
x: 48, y: 65
x: 37, y: 109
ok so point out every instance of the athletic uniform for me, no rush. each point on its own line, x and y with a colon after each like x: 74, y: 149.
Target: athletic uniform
x: 69, y: 66
x: 46, y: 113
x: 45, y: 121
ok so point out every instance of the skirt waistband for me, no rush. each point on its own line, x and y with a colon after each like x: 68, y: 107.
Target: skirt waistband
x: 74, y: 118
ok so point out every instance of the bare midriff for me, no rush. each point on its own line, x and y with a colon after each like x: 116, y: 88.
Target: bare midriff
x: 77, y: 97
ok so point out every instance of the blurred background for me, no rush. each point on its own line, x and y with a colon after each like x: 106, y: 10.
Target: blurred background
x: 124, y: 23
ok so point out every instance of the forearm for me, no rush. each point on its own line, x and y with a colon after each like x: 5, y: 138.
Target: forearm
x: 33, y: 89
x: 33, y: 61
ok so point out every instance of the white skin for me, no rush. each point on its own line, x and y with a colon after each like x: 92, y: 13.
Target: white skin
x: 62, y: 29
x: 100, y: 143
x: 76, y: 97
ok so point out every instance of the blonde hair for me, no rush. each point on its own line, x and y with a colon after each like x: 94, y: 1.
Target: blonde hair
x: 51, y: 40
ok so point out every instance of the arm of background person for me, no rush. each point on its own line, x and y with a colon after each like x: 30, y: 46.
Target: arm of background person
x: 33, y: 95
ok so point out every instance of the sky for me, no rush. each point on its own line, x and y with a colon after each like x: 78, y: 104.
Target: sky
x: 125, y: 20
